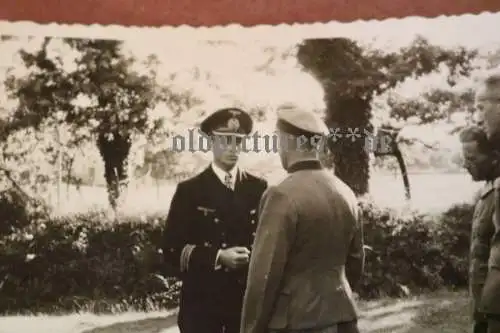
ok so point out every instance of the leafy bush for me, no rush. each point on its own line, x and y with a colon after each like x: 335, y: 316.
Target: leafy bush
x: 62, y: 265
x: 414, y: 252
x: 13, y: 211
x: 90, y: 263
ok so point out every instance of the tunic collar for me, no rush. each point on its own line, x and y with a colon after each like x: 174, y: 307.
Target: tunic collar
x: 305, y: 165
x: 221, y: 174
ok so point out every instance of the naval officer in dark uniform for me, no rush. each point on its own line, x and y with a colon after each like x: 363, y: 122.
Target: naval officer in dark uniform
x: 210, y: 230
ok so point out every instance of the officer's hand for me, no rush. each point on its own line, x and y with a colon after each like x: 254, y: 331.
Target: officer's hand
x: 234, y: 257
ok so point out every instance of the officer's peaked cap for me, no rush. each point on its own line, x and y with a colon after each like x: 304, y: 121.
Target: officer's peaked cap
x: 227, y: 121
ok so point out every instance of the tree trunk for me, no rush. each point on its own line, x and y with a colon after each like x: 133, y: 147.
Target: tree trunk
x: 404, y: 173
x: 348, y: 80
x: 387, y: 144
x: 351, y: 116
x: 114, y: 153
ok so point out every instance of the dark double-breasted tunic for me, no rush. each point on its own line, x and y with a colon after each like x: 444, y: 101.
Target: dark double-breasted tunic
x: 206, y: 216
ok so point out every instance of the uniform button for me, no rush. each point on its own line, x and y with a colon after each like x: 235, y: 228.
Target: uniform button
x: 253, y: 221
x: 253, y: 234
x: 224, y: 245
x: 172, y: 250
x: 207, y: 244
x: 216, y: 220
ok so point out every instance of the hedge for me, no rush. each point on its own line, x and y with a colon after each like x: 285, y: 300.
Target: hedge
x: 88, y: 263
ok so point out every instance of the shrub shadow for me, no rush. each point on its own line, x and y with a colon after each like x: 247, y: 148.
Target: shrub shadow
x: 444, y: 315
x: 150, y: 325
x: 393, y: 316
x: 446, y: 312
x: 436, y: 313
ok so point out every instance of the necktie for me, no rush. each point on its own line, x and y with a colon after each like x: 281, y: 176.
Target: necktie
x: 228, y: 181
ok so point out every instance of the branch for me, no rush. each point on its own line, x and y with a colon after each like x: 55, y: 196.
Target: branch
x: 412, y: 141
x: 394, y: 133
x: 8, y: 173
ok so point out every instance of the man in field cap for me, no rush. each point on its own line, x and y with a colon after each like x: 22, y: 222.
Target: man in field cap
x: 210, y: 229
x: 488, y: 112
x: 308, y: 251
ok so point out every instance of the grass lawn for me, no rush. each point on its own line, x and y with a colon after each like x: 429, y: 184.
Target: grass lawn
x: 441, y: 312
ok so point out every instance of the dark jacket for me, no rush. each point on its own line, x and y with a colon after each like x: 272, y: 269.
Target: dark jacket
x: 490, y: 298
x: 208, y: 215
x: 481, y: 233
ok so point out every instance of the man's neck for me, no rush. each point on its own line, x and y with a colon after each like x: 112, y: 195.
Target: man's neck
x: 224, y: 167
x: 488, y: 179
x: 294, y: 159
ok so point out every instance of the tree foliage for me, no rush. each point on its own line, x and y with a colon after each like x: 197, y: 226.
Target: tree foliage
x: 97, y: 96
x: 351, y: 76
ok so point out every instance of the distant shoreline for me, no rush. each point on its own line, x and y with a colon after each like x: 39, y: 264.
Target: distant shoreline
x: 422, y: 172
x: 376, y: 173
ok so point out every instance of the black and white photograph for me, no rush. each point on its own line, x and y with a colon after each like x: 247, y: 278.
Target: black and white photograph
x: 326, y: 178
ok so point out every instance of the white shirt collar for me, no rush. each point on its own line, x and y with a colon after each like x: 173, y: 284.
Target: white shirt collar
x: 221, y: 174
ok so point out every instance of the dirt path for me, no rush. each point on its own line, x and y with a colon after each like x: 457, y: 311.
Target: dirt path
x: 443, y: 312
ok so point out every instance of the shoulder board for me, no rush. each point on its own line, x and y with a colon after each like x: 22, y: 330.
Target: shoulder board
x: 487, y: 189
x: 247, y: 175
x: 496, y: 183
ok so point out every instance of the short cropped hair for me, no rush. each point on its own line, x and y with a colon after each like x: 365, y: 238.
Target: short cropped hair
x: 478, y: 135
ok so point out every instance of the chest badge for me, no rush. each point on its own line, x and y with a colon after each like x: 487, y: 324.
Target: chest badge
x: 205, y: 210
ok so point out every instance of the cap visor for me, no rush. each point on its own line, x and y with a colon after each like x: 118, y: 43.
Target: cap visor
x: 237, y: 135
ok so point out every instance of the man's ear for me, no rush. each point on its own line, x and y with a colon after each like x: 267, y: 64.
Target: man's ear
x: 496, y: 164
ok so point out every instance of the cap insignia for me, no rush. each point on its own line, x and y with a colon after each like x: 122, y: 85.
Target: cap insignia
x: 233, y: 124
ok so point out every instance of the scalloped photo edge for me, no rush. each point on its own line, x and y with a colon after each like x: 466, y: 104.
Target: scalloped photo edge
x: 284, y: 33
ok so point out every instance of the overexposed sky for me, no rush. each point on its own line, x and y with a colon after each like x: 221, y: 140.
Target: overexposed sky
x: 468, y: 30
x: 180, y: 48
x: 231, y: 66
